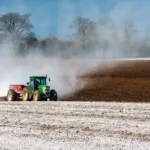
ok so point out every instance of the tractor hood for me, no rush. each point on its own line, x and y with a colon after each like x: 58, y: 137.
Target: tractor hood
x: 42, y: 88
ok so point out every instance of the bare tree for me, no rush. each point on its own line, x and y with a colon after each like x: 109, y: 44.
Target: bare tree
x: 82, y: 27
x: 129, y: 30
x: 14, y: 27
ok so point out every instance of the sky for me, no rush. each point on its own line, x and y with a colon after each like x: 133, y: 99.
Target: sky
x: 53, y: 17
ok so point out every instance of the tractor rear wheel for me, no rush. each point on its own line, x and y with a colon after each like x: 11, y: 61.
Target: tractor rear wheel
x: 53, y: 95
x: 36, y: 95
x: 25, y: 94
x: 11, y: 95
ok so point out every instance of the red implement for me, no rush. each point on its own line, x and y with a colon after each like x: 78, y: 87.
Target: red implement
x: 17, y: 88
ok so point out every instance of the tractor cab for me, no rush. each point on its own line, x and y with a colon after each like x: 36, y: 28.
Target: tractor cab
x: 36, y: 81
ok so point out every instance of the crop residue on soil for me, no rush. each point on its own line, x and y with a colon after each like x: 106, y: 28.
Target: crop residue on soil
x: 74, y: 125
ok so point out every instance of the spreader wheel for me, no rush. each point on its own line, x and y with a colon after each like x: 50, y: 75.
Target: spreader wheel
x: 11, y: 95
x: 25, y: 94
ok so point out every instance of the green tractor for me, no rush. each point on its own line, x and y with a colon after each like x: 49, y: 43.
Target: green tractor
x: 37, y: 89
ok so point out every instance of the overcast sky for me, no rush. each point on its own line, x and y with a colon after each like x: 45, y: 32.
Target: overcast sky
x: 52, y: 17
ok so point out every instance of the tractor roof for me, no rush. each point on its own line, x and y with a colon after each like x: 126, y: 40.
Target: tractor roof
x: 37, y: 77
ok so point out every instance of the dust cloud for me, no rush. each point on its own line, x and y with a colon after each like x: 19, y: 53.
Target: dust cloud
x: 63, y: 73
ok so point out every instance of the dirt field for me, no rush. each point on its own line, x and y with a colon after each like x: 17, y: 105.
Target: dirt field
x: 74, y: 125
x: 85, y: 125
x: 126, y: 81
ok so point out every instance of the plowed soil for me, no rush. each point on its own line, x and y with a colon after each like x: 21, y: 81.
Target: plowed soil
x: 126, y: 80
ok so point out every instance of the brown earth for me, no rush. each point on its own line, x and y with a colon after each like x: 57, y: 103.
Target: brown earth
x: 3, y: 98
x: 127, y: 80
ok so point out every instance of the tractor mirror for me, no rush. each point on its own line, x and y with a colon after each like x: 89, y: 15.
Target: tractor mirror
x: 27, y: 83
x: 49, y: 79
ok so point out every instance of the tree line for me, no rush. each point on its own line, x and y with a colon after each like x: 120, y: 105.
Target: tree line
x: 100, y: 39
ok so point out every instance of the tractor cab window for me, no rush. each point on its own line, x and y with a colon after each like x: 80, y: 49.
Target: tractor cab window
x: 31, y: 80
x: 40, y: 81
x: 43, y: 81
x: 36, y: 82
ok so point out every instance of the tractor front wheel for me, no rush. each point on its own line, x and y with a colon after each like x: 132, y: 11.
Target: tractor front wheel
x: 36, y: 95
x: 53, y: 95
x: 11, y: 95
x: 25, y: 94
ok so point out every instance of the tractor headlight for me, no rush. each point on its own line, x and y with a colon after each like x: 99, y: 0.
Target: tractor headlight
x: 47, y: 89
